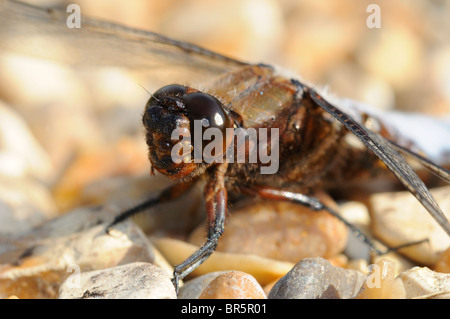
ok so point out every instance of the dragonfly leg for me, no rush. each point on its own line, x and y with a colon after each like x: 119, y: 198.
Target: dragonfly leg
x: 170, y: 193
x: 216, y: 209
x: 309, y: 202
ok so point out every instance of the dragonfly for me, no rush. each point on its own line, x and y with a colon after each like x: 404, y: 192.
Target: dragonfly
x: 237, y: 95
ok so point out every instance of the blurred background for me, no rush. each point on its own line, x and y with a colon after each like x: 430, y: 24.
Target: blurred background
x: 63, y: 131
x: 404, y: 63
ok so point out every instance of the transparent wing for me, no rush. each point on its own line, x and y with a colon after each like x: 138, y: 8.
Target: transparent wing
x: 393, y: 160
x: 29, y: 30
x: 441, y: 172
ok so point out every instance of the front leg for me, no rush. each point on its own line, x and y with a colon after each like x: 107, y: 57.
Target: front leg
x: 216, y: 209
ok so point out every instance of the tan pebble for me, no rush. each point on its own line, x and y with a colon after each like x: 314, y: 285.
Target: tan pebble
x: 21, y: 154
x: 136, y: 280
x: 400, y: 262
x: 265, y: 270
x: 123, y: 192
x: 443, y: 264
x: 192, y: 289
x: 279, y: 230
x: 360, y: 265
x: 380, y: 56
x: 126, y: 157
x: 381, y: 283
x: 262, y: 22
x: 398, y: 218
x: 25, y: 204
x: 233, y: 285
x: 38, y: 262
x: 422, y: 282
x: 339, y: 261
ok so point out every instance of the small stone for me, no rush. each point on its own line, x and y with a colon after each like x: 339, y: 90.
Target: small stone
x: 24, y: 204
x: 339, y: 261
x: 193, y: 288
x: 443, y: 264
x: 178, y: 217
x: 421, y: 282
x: 381, y: 283
x: 440, y: 70
x: 233, y: 285
x: 358, y: 215
x: 279, y: 230
x: 21, y: 155
x: 54, y: 101
x: 360, y: 265
x: 36, y: 263
x: 269, y: 286
x: 400, y: 262
x: 398, y: 218
x: 131, y: 281
x: 265, y: 270
x: 264, y: 27
x: 380, y: 56
x: 316, y: 278
x: 125, y: 157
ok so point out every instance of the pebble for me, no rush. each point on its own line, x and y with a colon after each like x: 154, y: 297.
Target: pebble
x: 441, y: 73
x: 422, y: 282
x: 35, y: 264
x: 136, y: 280
x: 63, y: 122
x: 358, y: 215
x: 192, y: 289
x: 24, y: 203
x: 126, y: 157
x: 279, y: 230
x: 381, y: 57
x: 360, y: 265
x: 21, y: 155
x: 265, y: 270
x: 401, y: 263
x: 254, y: 25
x: 398, y: 218
x: 233, y: 285
x: 316, y: 278
x: 55, y: 103
x: 382, y: 283
x: 443, y: 264
x: 175, y: 218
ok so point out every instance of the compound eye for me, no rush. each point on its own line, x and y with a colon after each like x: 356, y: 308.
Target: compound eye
x: 173, y: 90
x: 201, y: 106
x: 211, y: 112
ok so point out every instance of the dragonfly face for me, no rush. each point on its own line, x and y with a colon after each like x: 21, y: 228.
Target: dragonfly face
x: 170, y: 113
x: 242, y: 96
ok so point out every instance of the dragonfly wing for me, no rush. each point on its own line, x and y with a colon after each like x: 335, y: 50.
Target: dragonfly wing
x: 441, y: 172
x: 390, y: 157
x: 30, y: 30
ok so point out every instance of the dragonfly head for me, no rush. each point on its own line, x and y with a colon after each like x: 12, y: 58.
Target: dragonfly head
x: 186, y: 131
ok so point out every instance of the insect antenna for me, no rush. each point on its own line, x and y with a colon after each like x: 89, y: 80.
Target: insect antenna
x: 148, y: 92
